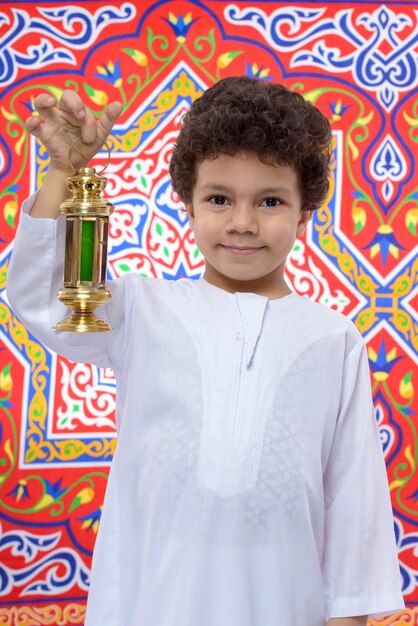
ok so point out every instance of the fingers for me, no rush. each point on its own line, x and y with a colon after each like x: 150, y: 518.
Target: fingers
x: 32, y: 125
x: 71, y: 115
x: 72, y: 105
x: 109, y: 117
x: 44, y: 104
x: 113, y: 111
x: 46, y: 111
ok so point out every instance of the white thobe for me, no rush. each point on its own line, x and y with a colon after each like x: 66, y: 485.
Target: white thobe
x: 248, y: 486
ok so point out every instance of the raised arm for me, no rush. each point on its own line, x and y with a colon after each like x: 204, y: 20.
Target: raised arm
x: 57, y: 127
x: 36, y: 266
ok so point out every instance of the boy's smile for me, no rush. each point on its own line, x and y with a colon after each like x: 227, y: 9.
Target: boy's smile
x: 246, y: 216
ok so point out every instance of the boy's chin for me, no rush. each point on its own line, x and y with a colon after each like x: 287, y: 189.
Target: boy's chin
x: 242, y: 278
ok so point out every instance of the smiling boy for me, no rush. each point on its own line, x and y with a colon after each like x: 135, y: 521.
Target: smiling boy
x: 246, y: 215
x: 248, y: 486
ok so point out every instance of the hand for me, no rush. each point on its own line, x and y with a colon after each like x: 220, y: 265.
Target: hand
x: 59, y: 125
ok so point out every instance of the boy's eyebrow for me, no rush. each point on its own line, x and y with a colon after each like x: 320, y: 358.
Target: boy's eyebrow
x: 212, y: 186
x: 264, y: 190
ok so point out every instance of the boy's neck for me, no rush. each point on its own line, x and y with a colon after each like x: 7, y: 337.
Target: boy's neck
x: 261, y: 287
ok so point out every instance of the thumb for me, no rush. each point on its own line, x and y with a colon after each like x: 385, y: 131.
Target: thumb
x: 110, y: 115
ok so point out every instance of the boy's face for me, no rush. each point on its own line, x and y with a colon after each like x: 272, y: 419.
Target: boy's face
x: 246, y: 216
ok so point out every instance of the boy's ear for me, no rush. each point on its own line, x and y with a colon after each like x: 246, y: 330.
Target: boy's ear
x: 305, y: 216
x: 190, y: 213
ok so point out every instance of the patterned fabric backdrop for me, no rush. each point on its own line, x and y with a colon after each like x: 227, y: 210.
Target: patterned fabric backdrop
x: 358, y: 62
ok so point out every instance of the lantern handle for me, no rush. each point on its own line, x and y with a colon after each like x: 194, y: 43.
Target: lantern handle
x: 71, y: 163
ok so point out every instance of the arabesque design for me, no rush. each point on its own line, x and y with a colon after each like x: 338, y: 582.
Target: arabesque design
x: 358, y: 63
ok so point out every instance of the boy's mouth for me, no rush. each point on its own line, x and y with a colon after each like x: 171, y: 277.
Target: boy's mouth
x: 242, y: 250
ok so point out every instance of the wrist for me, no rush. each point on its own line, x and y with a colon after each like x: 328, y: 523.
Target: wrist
x: 57, y: 174
x: 51, y: 194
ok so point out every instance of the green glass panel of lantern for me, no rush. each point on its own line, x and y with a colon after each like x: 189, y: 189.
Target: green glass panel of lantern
x: 88, y: 228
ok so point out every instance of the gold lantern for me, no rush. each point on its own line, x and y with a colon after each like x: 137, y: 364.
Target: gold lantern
x: 86, y: 239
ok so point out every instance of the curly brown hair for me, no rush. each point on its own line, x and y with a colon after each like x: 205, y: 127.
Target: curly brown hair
x: 241, y: 114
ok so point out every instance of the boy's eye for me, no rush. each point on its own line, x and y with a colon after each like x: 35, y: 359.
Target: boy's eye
x: 271, y: 202
x: 219, y: 200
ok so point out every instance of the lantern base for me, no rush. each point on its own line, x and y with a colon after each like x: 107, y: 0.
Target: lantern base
x: 83, y: 301
x: 82, y: 322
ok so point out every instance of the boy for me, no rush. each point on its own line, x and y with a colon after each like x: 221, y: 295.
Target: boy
x: 248, y: 486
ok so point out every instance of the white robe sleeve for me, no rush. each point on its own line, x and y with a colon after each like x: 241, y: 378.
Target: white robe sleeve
x: 34, y: 277
x: 360, y: 564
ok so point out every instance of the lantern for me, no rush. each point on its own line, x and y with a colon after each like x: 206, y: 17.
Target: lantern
x: 87, y: 226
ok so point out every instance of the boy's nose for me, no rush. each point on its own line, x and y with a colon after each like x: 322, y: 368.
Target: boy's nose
x: 242, y: 219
